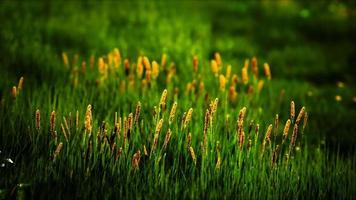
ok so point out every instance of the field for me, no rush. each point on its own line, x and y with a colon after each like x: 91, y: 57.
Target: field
x: 177, y: 100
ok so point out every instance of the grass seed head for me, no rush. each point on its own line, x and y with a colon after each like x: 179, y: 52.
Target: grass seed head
x: 20, y: 84
x: 286, y: 129
x: 267, y: 71
x: 155, y: 69
x: 88, y: 120
x: 53, y: 121
x: 192, y: 154
x: 305, y: 121
x: 146, y: 63
x: 164, y: 60
x: 58, y: 149
x: 136, y: 160
x: 195, y: 63
x: 38, y: 119
x: 214, y: 67
x: 172, y: 113
x: 244, y: 75
x: 254, y: 67
x: 139, y: 67
x: 137, y: 112
x: 188, y: 118
x: 300, y: 115
x: 222, y: 81
x: 162, y: 102
x: 217, y: 58
x: 14, y: 92
x: 292, y: 110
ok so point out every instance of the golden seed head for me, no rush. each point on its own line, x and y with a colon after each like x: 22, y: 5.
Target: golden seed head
x: 172, y: 113
x: 192, y: 154
x: 222, y: 81
x: 244, y: 75
x: 139, y: 67
x: 14, y: 92
x: 195, y: 63
x: 148, y: 76
x: 338, y: 98
x: 53, y: 121
x: 159, y: 126
x: 130, y: 121
x: 268, y: 133
x: 246, y: 64
x: 162, y: 102
x: 228, y: 72
x: 155, y: 69
x: 164, y: 60
x: 218, y: 59
x: 214, y: 67
x: 65, y: 59
x: 254, y: 66
x: 300, y: 115
x: 117, y: 57
x: 267, y: 71
x: 305, y: 121
x: 136, y: 160
x: 20, y: 85
x: 188, y: 118
x: 146, y: 63
x: 286, y: 129
x: 241, y: 116
x: 137, y: 112
x: 260, y: 85
x: 88, y: 120
x: 294, y: 135
x: 167, y: 138
x: 58, y: 149
x: 292, y: 110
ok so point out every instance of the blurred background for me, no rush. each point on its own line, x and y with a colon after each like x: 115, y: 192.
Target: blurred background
x: 306, y: 43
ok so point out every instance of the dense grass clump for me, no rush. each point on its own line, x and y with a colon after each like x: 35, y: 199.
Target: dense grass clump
x: 109, y: 131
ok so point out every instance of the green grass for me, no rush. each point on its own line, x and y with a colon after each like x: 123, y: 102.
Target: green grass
x: 322, y: 165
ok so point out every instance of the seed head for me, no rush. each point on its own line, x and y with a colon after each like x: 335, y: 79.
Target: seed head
x: 228, y: 72
x: 58, y: 149
x: 214, y: 67
x: 292, y: 110
x: 244, y: 75
x: 53, y: 122
x: 137, y: 112
x: 162, y: 102
x: 14, y: 92
x: 146, y: 63
x: 20, y: 85
x: 195, y: 63
x: 254, y: 67
x: 300, y: 115
x: 192, y: 154
x: 88, y: 120
x: 172, y: 113
x: 188, y: 118
x: 222, y: 81
x: 286, y: 129
x: 155, y: 69
x: 38, y: 119
x: 164, y: 60
x: 305, y: 121
x: 136, y: 160
x: 218, y: 59
x: 267, y: 71
x: 139, y: 67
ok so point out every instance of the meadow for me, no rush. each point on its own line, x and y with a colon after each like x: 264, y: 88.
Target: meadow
x: 177, y: 100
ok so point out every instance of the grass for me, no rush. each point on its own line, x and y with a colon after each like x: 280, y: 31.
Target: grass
x: 164, y: 118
